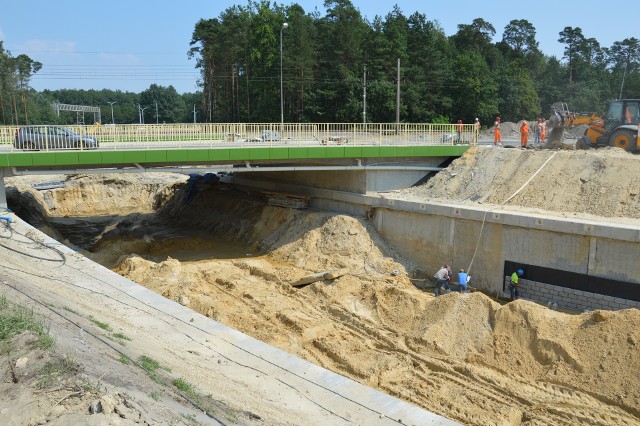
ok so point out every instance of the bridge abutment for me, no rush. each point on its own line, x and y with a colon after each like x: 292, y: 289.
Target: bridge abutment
x: 371, y: 177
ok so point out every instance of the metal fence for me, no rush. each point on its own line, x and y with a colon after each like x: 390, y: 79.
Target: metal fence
x: 155, y: 136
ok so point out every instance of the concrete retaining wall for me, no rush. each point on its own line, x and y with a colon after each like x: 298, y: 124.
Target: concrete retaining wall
x: 429, y: 235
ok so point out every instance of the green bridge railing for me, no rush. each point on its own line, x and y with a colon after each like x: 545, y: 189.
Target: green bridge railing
x: 211, y: 135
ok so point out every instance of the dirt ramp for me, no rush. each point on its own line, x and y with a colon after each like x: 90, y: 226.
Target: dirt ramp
x: 595, y: 182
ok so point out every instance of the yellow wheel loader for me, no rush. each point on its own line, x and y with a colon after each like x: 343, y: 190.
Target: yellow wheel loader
x: 617, y: 128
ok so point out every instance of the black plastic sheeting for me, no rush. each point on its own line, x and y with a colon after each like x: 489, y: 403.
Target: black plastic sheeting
x: 195, y: 180
x: 574, y: 280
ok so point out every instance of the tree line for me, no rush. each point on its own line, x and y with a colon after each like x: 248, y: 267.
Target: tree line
x: 334, y: 64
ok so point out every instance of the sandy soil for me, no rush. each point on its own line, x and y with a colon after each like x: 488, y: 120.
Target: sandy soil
x: 463, y: 356
x: 593, y: 184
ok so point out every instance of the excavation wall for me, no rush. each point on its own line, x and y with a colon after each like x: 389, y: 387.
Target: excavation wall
x: 429, y: 235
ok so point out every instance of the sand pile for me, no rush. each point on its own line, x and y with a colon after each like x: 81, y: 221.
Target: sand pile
x: 594, y: 182
x: 463, y: 356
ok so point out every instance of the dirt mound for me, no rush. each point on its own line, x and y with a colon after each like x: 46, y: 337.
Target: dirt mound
x: 594, y: 182
x: 463, y: 356
x: 320, y: 241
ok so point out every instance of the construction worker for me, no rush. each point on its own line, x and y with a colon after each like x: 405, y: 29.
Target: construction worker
x: 476, y: 128
x: 442, y: 278
x: 497, y: 137
x: 463, y: 281
x: 627, y: 116
x: 543, y: 130
x: 515, y: 283
x: 459, y: 127
x: 537, y: 128
x: 524, y: 134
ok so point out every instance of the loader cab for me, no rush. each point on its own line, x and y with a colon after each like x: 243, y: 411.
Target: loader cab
x: 621, y: 112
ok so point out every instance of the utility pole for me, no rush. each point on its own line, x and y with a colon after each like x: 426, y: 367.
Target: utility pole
x: 623, y: 75
x: 364, y: 96
x: 157, y: 113
x: 398, y: 98
x: 284, y: 26
x: 194, y: 113
x: 111, y: 103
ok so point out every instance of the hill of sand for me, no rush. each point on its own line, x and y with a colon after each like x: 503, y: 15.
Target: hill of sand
x: 463, y: 356
x: 596, y: 183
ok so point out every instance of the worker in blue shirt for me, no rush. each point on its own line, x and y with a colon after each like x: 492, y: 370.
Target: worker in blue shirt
x: 463, y: 281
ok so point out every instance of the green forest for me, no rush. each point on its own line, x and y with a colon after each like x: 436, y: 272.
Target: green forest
x: 334, y: 65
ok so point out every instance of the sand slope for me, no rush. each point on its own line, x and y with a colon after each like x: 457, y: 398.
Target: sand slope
x: 463, y: 356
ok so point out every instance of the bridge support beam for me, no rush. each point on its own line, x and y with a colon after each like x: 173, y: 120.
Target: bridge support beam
x: 357, y: 181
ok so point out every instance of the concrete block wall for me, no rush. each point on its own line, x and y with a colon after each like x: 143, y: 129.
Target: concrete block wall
x: 568, y: 298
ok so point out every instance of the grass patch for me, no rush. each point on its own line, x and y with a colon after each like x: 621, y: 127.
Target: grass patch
x: 15, y: 319
x: 66, y: 308
x: 121, y: 336
x: 188, y: 389
x: 124, y: 359
x: 102, y: 325
x: 183, y: 385
x: 155, y: 396
x: 55, y: 369
x: 151, y: 366
x: 190, y: 418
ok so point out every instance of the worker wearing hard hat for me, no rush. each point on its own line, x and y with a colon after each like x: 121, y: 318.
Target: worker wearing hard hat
x: 515, y: 283
x: 476, y: 128
x: 497, y: 137
x: 524, y: 134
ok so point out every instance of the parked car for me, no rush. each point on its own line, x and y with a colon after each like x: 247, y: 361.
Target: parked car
x: 52, y: 137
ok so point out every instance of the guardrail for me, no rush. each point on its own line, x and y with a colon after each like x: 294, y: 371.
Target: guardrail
x: 154, y: 136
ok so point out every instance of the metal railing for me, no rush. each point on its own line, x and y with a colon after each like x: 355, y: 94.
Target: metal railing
x: 212, y: 135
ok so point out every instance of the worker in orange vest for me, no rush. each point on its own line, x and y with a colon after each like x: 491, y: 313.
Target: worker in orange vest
x: 497, y: 137
x: 459, y: 131
x: 524, y: 134
x: 543, y: 130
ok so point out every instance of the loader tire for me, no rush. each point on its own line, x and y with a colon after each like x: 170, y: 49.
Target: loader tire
x: 624, y: 139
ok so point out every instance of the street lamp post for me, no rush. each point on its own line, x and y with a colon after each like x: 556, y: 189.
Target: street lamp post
x: 111, y: 103
x: 284, y: 26
x: 141, y: 113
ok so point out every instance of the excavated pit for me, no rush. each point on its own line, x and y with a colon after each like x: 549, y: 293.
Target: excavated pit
x: 228, y: 255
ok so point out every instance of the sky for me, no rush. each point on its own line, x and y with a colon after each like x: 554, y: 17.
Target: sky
x: 129, y: 45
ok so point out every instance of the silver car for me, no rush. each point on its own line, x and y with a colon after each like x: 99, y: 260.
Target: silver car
x: 52, y: 137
